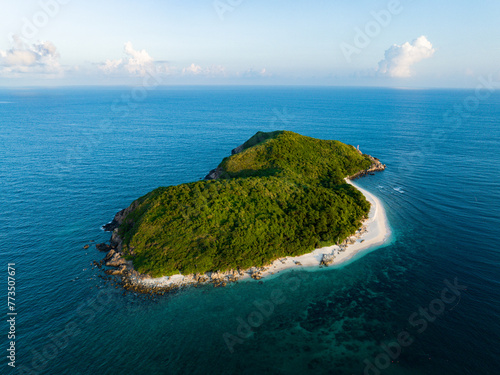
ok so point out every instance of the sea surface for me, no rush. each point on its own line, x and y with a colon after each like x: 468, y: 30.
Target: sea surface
x: 71, y: 158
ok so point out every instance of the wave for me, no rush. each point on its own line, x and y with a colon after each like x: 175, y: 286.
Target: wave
x: 399, y: 189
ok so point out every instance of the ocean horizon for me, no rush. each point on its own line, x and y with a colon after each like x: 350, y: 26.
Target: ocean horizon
x: 427, y: 302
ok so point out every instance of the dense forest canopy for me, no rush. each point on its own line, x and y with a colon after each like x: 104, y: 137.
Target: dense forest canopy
x: 282, y: 194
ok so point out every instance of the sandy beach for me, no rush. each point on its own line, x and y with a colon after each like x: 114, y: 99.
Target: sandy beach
x: 374, y: 232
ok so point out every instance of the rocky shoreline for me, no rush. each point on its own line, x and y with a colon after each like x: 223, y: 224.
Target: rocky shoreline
x: 376, y: 166
x: 214, y: 174
x: 130, y: 279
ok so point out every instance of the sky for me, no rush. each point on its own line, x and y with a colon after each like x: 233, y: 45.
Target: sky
x: 394, y: 43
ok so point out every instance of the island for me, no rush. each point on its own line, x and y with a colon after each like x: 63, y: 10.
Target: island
x: 280, y: 200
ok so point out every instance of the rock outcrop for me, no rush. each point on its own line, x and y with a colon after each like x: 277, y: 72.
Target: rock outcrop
x: 327, y: 260
x: 214, y: 174
x: 103, y: 247
x: 237, y: 150
x: 376, y: 166
x: 119, y: 217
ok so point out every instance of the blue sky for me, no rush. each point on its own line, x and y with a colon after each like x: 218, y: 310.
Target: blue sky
x: 393, y: 43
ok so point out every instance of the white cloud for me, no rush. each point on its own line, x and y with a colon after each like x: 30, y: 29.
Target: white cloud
x: 400, y: 58
x: 252, y: 73
x: 192, y: 69
x: 139, y: 61
x: 210, y: 71
x: 38, y: 58
x: 135, y: 62
x: 111, y: 65
x: 216, y: 70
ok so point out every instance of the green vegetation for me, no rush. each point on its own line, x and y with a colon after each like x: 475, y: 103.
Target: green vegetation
x: 283, y: 195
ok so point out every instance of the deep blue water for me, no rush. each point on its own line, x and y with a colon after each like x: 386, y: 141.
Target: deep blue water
x: 71, y: 158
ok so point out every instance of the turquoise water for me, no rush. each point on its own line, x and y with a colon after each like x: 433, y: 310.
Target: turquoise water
x: 71, y: 158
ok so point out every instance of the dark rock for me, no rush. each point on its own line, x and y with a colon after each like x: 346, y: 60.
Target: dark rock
x: 237, y: 150
x: 113, y: 272
x: 116, y: 260
x: 116, y: 240
x: 327, y: 259
x: 103, y: 247
x: 119, y: 217
x: 109, y: 255
x: 214, y: 174
x: 374, y: 167
x: 109, y: 227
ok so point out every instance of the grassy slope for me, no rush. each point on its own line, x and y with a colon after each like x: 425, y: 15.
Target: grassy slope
x: 296, y: 156
x: 283, y: 195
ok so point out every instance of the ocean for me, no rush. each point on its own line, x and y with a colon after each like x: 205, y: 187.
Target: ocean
x: 72, y: 157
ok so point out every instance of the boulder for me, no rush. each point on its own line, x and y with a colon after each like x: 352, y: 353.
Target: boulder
x: 109, y: 255
x: 116, y: 261
x: 327, y: 260
x: 103, y: 247
x: 112, y: 272
x: 116, y: 240
x: 256, y: 276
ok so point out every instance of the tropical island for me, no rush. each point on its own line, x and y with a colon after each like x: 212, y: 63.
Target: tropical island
x: 280, y: 195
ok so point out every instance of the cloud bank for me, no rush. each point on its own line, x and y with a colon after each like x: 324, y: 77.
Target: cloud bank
x: 140, y: 63
x: 135, y: 62
x: 210, y: 71
x: 42, y: 60
x: 38, y: 58
x: 400, y: 58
